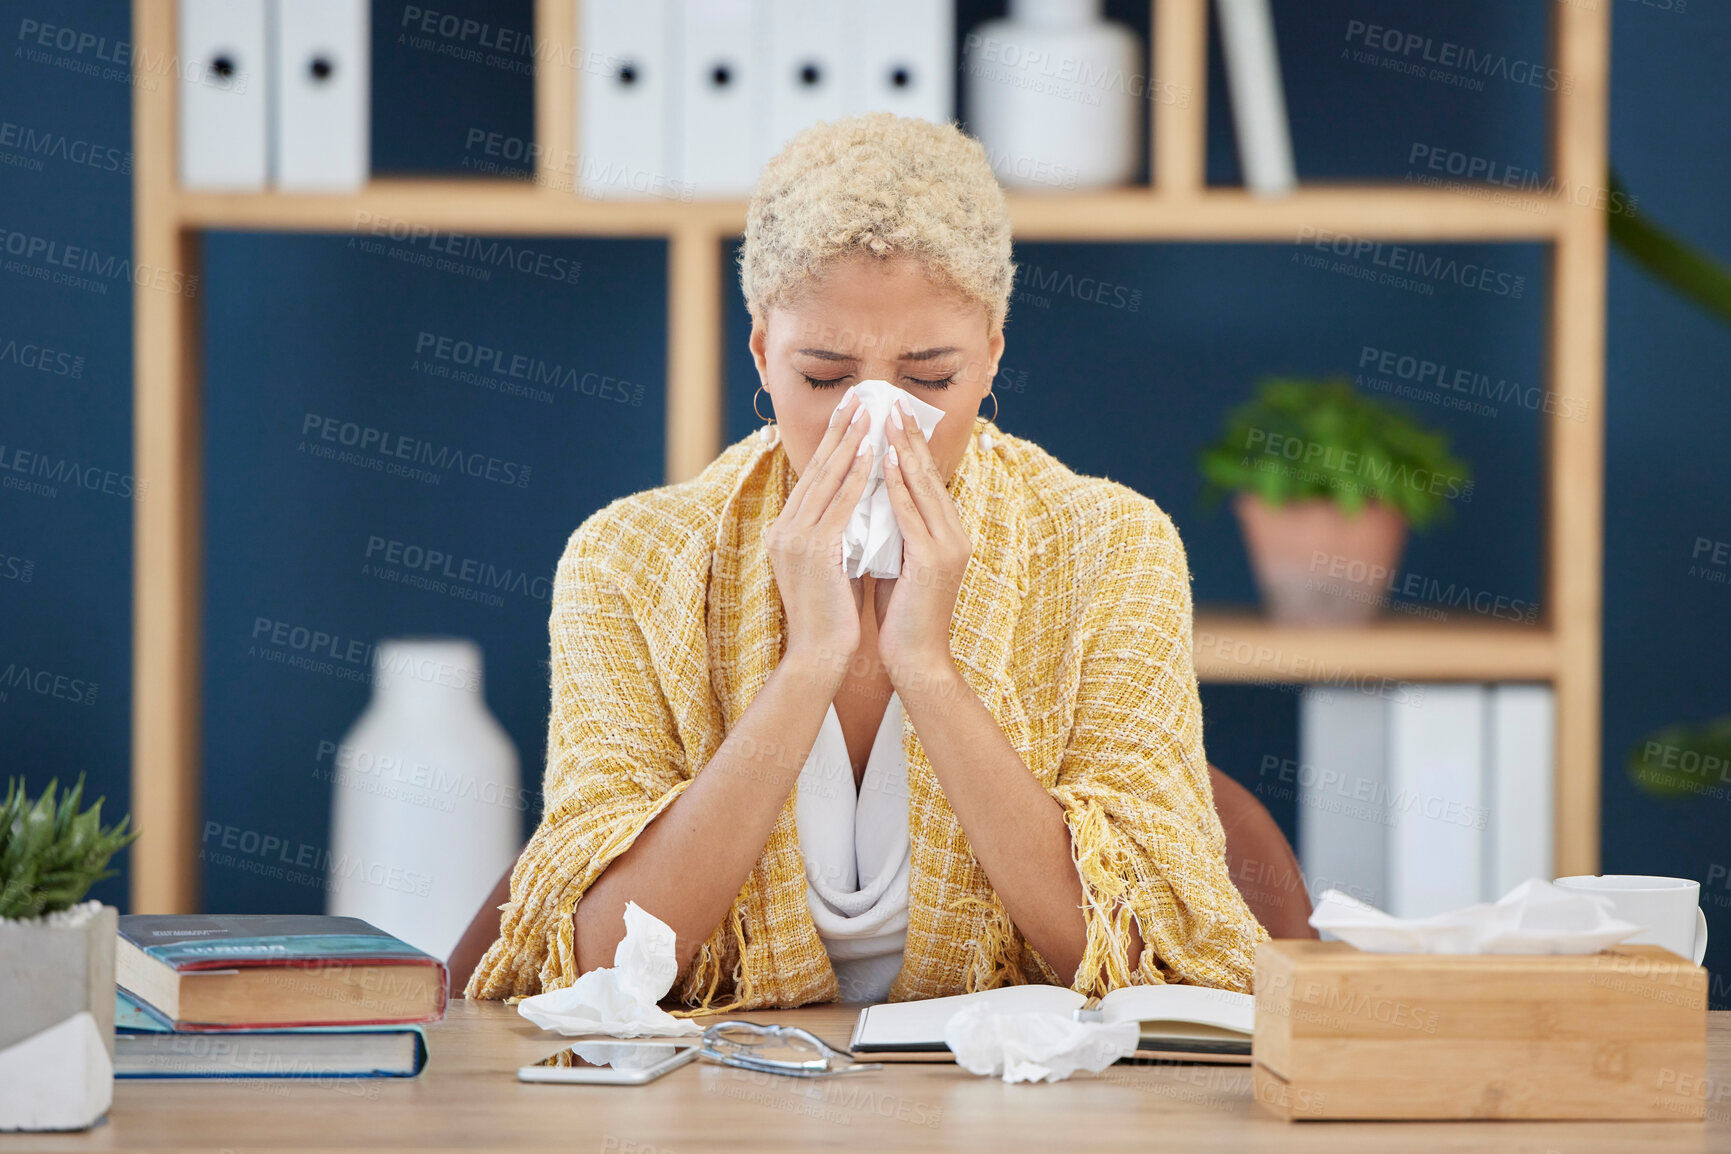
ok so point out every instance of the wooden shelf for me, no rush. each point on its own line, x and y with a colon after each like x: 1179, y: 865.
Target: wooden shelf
x: 504, y: 207
x: 1369, y: 212
x: 168, y: 538
x: 1243, y: 647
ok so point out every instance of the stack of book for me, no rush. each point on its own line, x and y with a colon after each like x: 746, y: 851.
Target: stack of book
x: 270, y: 996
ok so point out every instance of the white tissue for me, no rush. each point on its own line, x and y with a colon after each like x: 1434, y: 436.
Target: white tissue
x: 619, y: 1002
x: 1034, y: 1046
x: 872, y: 541
x: 1535, y: 917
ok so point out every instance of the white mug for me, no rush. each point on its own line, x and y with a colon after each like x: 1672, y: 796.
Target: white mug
x: 1669, y: 908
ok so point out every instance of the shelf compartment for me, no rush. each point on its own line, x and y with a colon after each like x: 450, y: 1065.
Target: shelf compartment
x: 166, y: 755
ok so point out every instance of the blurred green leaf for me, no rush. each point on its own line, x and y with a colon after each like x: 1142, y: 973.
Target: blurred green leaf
x: 1684, y: 761
x: 1671, y: 261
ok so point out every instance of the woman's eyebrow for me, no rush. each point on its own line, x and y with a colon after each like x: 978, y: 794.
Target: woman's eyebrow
x: 920, y: 355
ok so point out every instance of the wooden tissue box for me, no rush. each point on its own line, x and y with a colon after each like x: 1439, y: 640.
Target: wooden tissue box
x: 1341, y: 1033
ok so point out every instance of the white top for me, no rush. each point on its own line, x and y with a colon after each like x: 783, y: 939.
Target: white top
x: 856, y: 854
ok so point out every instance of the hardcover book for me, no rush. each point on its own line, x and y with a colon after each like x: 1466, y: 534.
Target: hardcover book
x: 239, y: 971
x: 147, y: 1046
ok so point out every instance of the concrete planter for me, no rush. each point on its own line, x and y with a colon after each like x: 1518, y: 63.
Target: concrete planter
x: 57, y: 1019
x: 1314, y: 565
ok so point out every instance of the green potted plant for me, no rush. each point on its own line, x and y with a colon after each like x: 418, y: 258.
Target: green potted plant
x: 56, y: 960
x: 1326, y: 482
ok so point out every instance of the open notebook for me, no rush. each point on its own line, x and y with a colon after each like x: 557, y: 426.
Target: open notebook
x: 1181, y: 1023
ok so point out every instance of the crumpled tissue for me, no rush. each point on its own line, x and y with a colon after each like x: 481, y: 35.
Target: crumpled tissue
x: 619, y: 1002
x: 1033, y: 1046
x: 1535, y: 917
x: 872, y: 541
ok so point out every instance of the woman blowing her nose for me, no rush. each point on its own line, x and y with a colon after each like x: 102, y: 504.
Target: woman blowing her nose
x: 987, y: 770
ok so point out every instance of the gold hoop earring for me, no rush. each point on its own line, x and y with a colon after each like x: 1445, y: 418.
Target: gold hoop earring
x: 985, y: 437
x: 768, y: 432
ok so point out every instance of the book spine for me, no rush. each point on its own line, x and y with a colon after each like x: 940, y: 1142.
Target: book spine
x: 301, y: 962
x: 245, y: 1027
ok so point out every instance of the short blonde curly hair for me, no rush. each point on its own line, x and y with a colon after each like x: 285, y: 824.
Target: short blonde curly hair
x: 879, y: 184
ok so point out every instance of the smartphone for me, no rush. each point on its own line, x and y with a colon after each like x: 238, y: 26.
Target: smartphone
x: 630, y: 1062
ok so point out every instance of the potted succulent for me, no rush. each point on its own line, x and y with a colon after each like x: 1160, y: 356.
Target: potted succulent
x: 1326, y: 482
x: 56, y: 961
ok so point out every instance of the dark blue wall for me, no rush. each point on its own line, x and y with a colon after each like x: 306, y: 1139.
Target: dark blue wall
x: 320, y: 326
x: 1668, y: 471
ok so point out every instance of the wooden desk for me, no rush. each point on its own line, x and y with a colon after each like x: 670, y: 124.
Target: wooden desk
x: 469, y: 1098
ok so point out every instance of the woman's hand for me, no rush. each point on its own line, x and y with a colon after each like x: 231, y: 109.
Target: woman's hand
x: 822, y: 605
x: 914, y: 610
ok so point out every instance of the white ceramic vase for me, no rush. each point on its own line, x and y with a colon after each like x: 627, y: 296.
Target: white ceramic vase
x: 57, y: 1019
x: 426, y: 801
x: 1054, y: 95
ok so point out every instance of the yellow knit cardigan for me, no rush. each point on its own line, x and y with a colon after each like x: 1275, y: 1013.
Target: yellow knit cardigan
x: 1073, y: 627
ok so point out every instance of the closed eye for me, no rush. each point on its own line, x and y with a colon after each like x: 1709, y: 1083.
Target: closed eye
x: 830, y: 382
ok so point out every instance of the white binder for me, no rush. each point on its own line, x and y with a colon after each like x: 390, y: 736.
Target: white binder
x: 1440, y: 814
x: 1428, y: 800
x: 1341, y: 786
x: 322, y: 87
x: 224, y: 89
x: 1258, y: 99
x: 722, y: 96
x: 905, y: 51
x: 624, y: 114
x: 1521, y: 761
x: 806, y: 75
